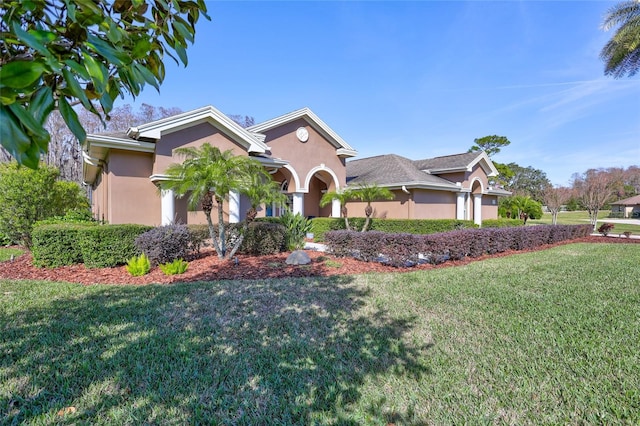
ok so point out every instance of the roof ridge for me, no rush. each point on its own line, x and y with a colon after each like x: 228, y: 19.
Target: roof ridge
x: 448, y: 155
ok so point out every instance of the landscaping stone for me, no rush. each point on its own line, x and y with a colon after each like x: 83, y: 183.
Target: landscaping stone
x: 298, y: 257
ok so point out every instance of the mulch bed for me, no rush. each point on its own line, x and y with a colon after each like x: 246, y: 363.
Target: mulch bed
x: 207, y: 267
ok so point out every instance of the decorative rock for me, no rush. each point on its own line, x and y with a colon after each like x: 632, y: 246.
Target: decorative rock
x: 298, y: 257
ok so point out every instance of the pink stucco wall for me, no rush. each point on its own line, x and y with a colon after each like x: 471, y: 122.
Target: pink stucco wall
x: 305, y: 156
x: 131, y: 196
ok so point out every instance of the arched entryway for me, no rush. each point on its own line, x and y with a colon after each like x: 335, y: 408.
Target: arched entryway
x: 320, y: 180
x: 475, y: 201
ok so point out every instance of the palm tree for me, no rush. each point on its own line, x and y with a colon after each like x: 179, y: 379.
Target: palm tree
x: 369, y: 193
x: 520, y: 207
x: 622, y: 53
x: 262, y: 190
x: 343, y: 197
x: 208, y: 175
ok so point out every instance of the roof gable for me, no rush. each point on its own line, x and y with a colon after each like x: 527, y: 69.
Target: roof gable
x: 154, y: 130
x: 343, y: 149
x: 457, y: 163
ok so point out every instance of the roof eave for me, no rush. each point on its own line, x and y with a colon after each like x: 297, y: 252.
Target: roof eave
x: 154, y: 130
x: 420, y: 185
x: 101, y: 141
x: 346, y: 153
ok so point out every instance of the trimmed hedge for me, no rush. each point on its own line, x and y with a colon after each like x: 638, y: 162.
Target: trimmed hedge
x: 94, y: 245
x: 57, y: 244
x: 502, y: 223
x: 409, y: 249
x: 110, y: 245
x: 264, y: 238
x: 321, y: 225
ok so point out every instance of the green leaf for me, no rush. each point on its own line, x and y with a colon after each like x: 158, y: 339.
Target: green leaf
x: 106, y: 50
x: 115, y: 33
x: 75, y: 89
x: 29, y: 39
x: 182, y: 53
x: 41, y: 104
x: 8, y: 95
x: 28, y: 122
x: 79, y: 69
x: 42, y: 36
x: 21, y: 74
x: 106, y: 101
x: 71, y: 118
x: 182, y: 29
x: 96, y: 71
x: 141, y: 48
x: 12, y: 136
x: 147, y: 76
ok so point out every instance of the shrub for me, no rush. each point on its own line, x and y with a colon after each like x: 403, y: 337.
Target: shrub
x: 165, y: 243
x: 109, y: 245
x: 616, y: 215
x: 297, y: 227
x: 627, y: 234
x: 178, y: 266
x: 408, y: 249
x: 321, y: 225
x: 138, y: 265
x: 5, y: 240
x: 198, y: 236
x: 56, y: 245
x: 232, y: 233
x: 605, y: 228
x: 27, y: 196
x: 264, y: 238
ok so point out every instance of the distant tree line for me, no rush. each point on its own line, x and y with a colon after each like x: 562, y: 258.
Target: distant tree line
x: 592, y: 190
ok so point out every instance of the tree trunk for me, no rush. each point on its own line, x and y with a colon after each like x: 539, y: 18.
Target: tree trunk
x: 221, y: 231
x: 346, y: 219
x: 367, y: 211
x: 251, y: 216
x: 593, y: 216
x: 207, y: 207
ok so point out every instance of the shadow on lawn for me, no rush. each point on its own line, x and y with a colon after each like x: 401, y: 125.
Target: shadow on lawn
x: 240, y: 352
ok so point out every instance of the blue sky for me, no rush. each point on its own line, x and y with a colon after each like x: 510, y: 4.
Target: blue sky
x: 421, y: 79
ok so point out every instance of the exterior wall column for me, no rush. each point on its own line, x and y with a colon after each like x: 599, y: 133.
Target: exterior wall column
x: 167, y: 206
x: 298, y: 203
x: 477, y: 209
x: 460, y: 206
x: 234, y: 207
x: 335, y: 208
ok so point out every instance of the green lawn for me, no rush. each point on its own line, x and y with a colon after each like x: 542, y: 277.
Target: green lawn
x: 549, y: 337
x: 582, y: 217
x: 6, y: 253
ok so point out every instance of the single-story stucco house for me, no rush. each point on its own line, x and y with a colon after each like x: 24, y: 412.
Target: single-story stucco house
x: 300, y: 151
x: 629, y: 207
x: 453, y: 186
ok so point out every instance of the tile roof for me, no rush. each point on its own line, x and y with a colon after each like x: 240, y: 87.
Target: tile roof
x: 390, y: 170
x: 456, y: 161
x: 629, y: 201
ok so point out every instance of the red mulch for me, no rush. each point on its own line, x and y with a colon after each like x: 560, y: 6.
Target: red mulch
x: 207, y: 267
